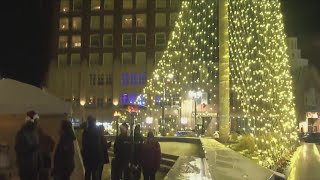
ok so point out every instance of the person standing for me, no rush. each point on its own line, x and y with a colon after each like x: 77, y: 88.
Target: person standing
x: 46, y: 148
x: 27, y: 148
x: 105, y: 147
x: 91, y: 150
x: 63, y: 163
x: 138, y: 141
x: 5, y: 161
x: 150, y: 157
x: 120, y: 165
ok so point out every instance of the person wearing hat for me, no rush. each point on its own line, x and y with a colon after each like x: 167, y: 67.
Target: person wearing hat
x: 27, y: 148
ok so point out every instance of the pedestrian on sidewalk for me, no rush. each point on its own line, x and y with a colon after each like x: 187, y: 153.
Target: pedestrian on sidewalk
x: 105, y: 147
x: 120, y: 164
x: 46, y: 148
x: 92, y: 150
x: 64, y: 154
x: 27, y: 148
x: 5, y: 161
x: 136, y: 160
x: 150, y: 157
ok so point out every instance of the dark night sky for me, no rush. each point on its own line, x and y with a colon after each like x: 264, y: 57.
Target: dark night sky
x: 25, y: 35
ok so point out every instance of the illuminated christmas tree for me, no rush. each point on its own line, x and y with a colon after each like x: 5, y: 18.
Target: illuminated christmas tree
x: 261, y: 83
x: 261, y: 77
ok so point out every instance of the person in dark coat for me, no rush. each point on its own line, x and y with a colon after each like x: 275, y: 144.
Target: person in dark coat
x: 138, y: 141
x: 64, y: 154
x: 27, y: 148
x: 105, y: 147
x: 122, y: 154
x: 150, y: 157
x: 46, y: 148
x: 92, y: 150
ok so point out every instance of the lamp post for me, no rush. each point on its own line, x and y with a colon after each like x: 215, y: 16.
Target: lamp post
x: 168, y: 78
x: 117, y: 115
x: 194, y: 95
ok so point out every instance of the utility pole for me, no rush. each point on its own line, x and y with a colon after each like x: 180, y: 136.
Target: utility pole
x: 224, y: 86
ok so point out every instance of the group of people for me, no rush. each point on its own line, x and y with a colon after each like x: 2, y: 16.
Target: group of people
x: 132, y: 153
x: 34, y: 147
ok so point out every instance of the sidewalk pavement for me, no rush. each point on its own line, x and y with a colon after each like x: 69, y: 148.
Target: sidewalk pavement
x: 305, y: 163
x: 227, y: 164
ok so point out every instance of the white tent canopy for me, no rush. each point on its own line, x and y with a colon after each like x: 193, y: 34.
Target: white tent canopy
x: 17, y: 97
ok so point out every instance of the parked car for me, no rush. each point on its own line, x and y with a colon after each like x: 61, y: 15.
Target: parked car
x: 185, y: 134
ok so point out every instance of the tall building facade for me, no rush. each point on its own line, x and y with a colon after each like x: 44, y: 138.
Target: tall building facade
x: 306, y: 79
x: 104, y: 51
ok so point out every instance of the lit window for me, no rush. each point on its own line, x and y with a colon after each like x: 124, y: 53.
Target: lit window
x: 76, y: 23
x: 157, y: 56
x: 64, y: 24
x: 92, y: 79
x: 132, y: 98
x: 127, y: 21
x: 173, y: 18
x: 63, y: 41
x: 141, y: 20
x: 108, y: 4
x: 95, y: 22
x: 133, y: 78
x: 77, y: 5
x: 140, y: 58
x: 107, y: 40
x: 161, y: 19
x: 108, y: 79
x: 75, y: 59
x: 95, y: 40
x: 76, y: 41
x: 64, y: 6
x: 174, y: 3
x: 107, y: 58
x: 100, y: 79
x: 142, y: 79
x: 141, y: 4
x: 160, y: 38
x: 127, y: 58
x: 124, y: 99
x: 95, y: 5
x: 141, y: 39
x: 108, y: 22
x: 92, y: 101
x: 124, y: 79
x: 161, y: 3
x: 94, y: 59
x: 127, y: 4
x: 62, y: 60
x: 127, y: 40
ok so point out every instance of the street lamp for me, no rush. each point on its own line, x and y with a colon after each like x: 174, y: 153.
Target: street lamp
x: 117, y: 115
x: 194, y: 95
x: 168, y: 78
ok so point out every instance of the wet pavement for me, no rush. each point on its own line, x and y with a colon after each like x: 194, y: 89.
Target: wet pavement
x: 226, y: 164
x: 305, y: 163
